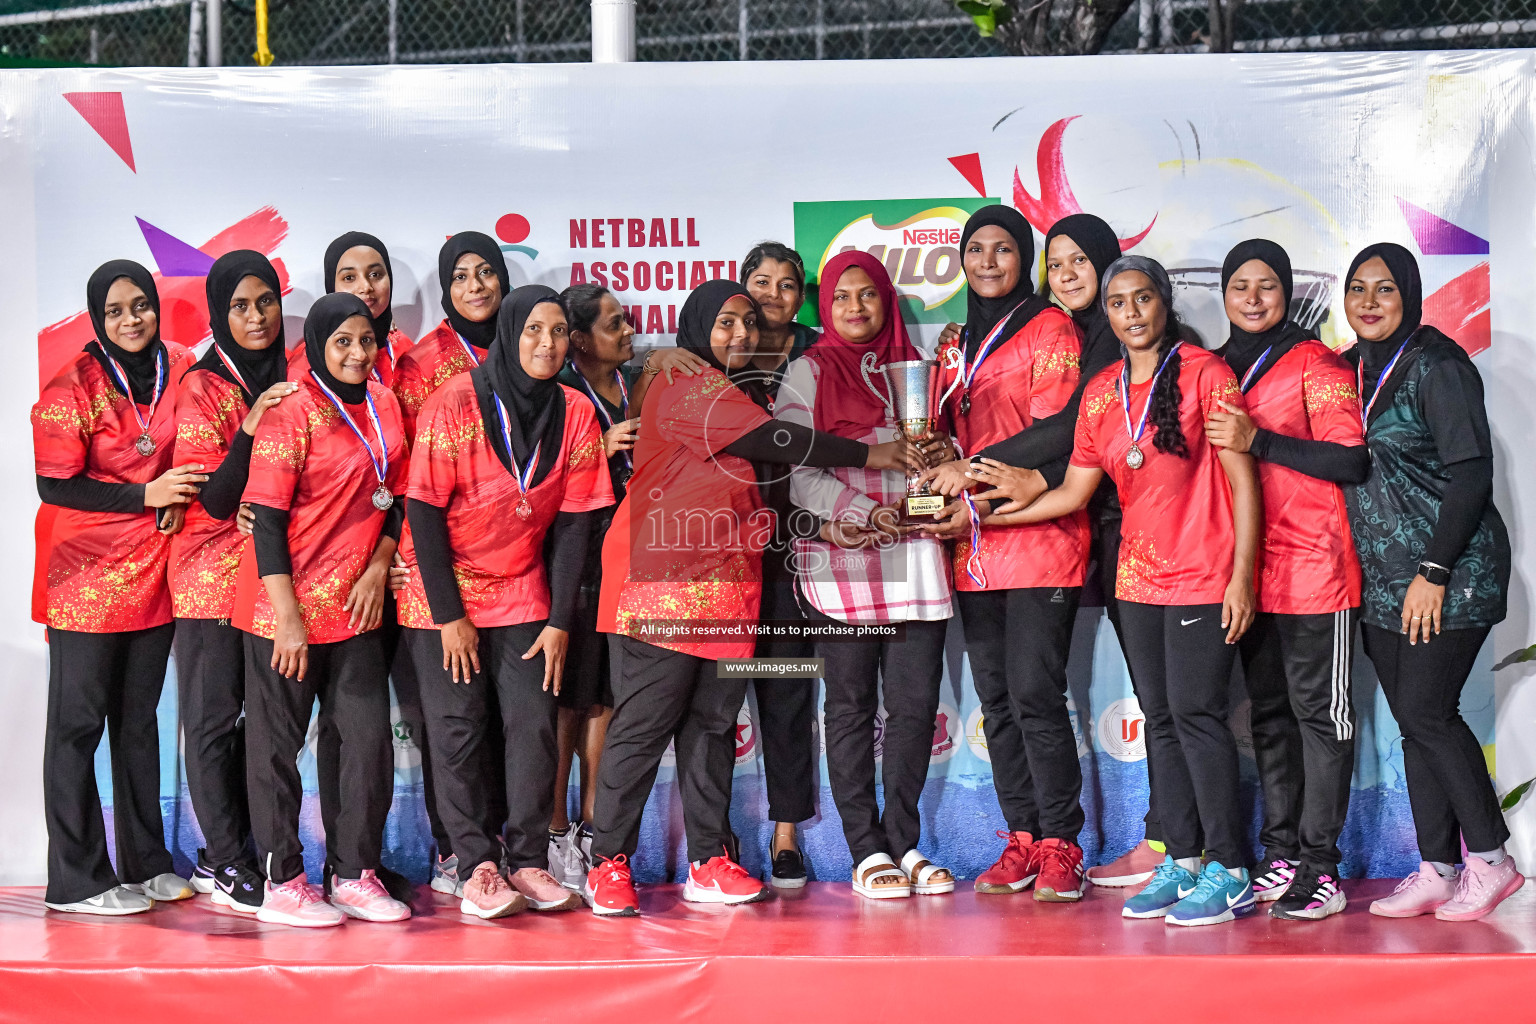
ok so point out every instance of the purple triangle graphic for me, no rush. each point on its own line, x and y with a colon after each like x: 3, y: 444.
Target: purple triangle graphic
x: 174, y: 257
x: 1439, y: 237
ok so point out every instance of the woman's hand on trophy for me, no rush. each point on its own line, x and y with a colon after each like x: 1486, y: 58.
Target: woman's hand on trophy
x: 948, y: 479
x: 899, y: 455
x: 1008, y: 488
x: 954, y: 520
x: 937, y: 448
x: 885, y: 522
x: 947, y: 335
x: 845, y: 534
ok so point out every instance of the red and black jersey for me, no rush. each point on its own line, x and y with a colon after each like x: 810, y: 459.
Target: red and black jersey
x: 205, y: 555
x: 1309, y: 564
x: 102, y: 572
x: 307, y: 462
x: 395, y: 346
x: 432, y: 362
x: 1029, y: 376
x: 1177, y: 538
x: 498, y: 554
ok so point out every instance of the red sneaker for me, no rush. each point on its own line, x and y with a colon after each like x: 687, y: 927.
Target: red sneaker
x: 1015, y: 869
x: 1061, y: 871
x: 610, y: 890
x: 1131, y: 868
x: 722, y: 880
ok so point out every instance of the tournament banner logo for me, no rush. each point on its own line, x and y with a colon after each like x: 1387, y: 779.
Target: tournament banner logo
x: 918, y: 240
x: 946, y: 733
x: 746, y: 736
x: 1122, y: 731
x: 976, y: 734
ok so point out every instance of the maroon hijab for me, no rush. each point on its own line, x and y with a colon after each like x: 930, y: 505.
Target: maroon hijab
x: 844, y: 403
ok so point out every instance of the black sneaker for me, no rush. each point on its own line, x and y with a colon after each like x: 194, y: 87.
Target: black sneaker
x: 238, y: 886
x: 788, y: 870
x: 202, y: 877
x: 1313, y: 896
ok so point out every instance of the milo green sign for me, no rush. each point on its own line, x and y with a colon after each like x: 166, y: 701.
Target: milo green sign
x: 918, y: 240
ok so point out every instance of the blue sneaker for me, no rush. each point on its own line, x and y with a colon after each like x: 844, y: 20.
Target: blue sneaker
x: 1217, y: 899
x: 1169, y: 884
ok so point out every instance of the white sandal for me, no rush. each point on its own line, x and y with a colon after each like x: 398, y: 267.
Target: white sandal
x: 880, y: 866
x: 921, y: 873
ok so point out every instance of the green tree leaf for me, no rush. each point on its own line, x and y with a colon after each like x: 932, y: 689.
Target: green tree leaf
x: 1513, y: 796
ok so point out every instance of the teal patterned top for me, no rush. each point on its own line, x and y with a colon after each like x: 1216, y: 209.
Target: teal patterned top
x: 1393, y: 513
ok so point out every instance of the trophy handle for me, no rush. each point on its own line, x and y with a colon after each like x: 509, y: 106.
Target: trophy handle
x: 869, y: 367
x: 953, y: 360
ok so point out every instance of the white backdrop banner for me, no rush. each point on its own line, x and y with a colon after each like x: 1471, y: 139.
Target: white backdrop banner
x: 652, y: 178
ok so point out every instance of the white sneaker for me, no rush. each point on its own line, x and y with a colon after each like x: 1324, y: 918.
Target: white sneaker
x: 164, y: 888
x: 115, y: 902
x: 566, y: 861
x: 445, y: 875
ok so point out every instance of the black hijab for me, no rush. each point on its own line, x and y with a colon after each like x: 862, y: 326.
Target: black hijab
x: 261, y: 369
x: 333, y: 254
x: 1375, y: 355
x: 1099, y: 243
x: 982, y: 314
x: 327, y: 314
x: 139, y: 367
x: 480, y: 335
x: 535, y: 408
x: 1243, y: 348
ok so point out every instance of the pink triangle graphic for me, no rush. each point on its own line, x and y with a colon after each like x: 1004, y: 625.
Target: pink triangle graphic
x: 103, y: 111
x: 174, y: 257
x: 969, y: 166
x: 1439, y: 237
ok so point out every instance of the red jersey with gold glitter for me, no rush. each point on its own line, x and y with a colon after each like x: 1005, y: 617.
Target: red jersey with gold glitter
x: 1177, y: 537
x: 1308, y: 565
x: 102, y: 572
x: 307, y: 462
x: 498, y: 554
x: 686, y: 546
x: 205, y: 555
x: 395, y: 346
x: 432, y: 362
x: 1029, y: 376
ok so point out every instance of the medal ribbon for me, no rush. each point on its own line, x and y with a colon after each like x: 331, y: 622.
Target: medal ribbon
x: 1365, y: 413
x: 1254, y: 369
x: 988, y: 343
x: 381, y: 464
x: 523, y: 473
x: 469, y: 349
x: 1125, y: 395
x: 120, y: 381
x: 602, y: 410
x: 973, y: 566
x: 230, y: 366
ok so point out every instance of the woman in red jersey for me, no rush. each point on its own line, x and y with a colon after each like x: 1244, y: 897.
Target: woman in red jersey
x: 505, y: 459
x: 327, y: 477
x: 1302, y: 424
x: 358, y: 263
x: 103, y: 433
x: 1017, y: 586
x: 681, y: 588
x: 222, y: 400
x: 1185, y: 582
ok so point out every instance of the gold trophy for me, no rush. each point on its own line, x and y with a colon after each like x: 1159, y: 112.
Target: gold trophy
x: 910, y: 398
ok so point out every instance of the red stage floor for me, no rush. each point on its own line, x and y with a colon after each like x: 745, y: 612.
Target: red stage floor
x: 821, y: 955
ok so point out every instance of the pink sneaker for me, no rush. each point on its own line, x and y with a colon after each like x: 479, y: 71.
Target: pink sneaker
x: 1131, y: 868
x: 366, y: 899
x: 541, y: 890
x: 487, y: 894
x: 1422, y: 892
x: 299, y: 904
x: 1481, y: 887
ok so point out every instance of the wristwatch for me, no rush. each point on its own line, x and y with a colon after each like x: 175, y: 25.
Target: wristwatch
x: 1434, y: 574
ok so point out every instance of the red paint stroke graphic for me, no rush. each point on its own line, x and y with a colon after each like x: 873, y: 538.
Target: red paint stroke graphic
x: 1056, y: 199
x: 183, y: 300
x: 103, y: 111
x: 1460, y: 308
x: 1437, y: 236
x: 969, y: 167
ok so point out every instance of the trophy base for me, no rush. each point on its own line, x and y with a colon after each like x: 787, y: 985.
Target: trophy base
x: 922, y: 506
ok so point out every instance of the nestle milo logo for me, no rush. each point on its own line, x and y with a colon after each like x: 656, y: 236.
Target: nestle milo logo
x: 918, y: 240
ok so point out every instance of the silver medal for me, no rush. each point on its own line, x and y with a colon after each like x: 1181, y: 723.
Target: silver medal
x: 382, y: 499
x: 1134, y: 458
x: 145, y: 445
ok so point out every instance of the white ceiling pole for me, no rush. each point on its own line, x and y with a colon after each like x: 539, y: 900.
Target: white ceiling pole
x: 613, y: 31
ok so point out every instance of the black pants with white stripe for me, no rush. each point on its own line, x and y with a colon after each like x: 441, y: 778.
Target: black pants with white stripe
x: 1297, y: 668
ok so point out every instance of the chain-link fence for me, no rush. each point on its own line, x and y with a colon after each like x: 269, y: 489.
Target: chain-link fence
x: 170, y: 32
